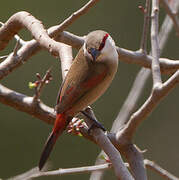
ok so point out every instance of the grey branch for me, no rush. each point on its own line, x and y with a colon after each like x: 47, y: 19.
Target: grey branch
x: 143, y: 44
x: 74, y: 16
x: 41, y: 111
x: 34, y: 173
x: 157, y: 81
x: 162, y: 172
x: 32, y: 47
x: 26, y: 104
x: 171, y: 13
x: 66, y: 58
x: 114, y: 156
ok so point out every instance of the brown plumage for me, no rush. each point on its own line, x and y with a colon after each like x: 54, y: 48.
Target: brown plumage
x: 89, y: 76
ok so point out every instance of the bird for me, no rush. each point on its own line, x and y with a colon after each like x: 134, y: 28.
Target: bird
x: 90, y: 74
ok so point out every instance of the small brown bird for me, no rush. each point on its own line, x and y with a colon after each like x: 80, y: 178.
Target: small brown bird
x: 89, y: 76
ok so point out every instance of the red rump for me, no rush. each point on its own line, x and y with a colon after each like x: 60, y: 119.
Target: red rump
x: 60, y: 123
x: 103, y: 42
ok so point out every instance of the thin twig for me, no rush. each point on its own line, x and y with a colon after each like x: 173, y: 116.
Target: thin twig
x: 77, y: 170
x: 41, y: 82
x: 143, y: 44
x: 21, y: 41
x: 3, y: 57
x: 74, y: 16
x: 172, y: 14
x: 162, y: 172
x: 34, y: 173
x: 16, y: 48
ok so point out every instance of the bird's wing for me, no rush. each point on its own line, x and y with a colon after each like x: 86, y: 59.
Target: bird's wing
x: 86, y: 75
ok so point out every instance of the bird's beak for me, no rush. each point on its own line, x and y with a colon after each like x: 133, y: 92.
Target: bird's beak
x: 95, y: 53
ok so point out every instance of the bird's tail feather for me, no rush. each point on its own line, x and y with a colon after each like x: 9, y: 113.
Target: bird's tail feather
x: 60, y: 125
x: 47, y: 149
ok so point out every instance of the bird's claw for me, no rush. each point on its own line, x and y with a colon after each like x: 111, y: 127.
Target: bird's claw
x: 96, y: 124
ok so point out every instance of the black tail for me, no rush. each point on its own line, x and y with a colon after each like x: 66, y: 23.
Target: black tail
x: 47, y: 149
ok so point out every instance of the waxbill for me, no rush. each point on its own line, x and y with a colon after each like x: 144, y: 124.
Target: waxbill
x: 89, y: 76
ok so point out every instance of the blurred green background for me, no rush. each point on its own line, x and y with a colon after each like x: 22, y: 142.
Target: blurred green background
x: 22, y: 137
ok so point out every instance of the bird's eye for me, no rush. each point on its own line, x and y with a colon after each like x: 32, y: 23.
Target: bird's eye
x: 103, y: 42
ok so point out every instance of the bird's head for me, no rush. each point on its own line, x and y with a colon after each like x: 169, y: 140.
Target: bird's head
x: 98, y: 44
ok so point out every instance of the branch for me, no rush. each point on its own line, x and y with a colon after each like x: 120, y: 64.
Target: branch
x: 135, y: 93
x: 114, y: 156
x: 157, y: 81
x: 66, y: 58
x: 149, y: 105
x: 32, y: 47
x: 136, y: 57
x: 26, y: 104
x: 172, y: 14
x: 40, y: 83
x: 128, y: 56
x: 146, y: 11
x: 130, y: 103
x: 67, y: 22
x: 162, y: 172
x: 22, y: 20
x: 34, y: 173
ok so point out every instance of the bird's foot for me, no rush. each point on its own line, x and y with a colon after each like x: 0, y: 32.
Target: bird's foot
x: 96, y: 123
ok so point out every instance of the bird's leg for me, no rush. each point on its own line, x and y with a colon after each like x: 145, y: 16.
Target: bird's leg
x: 96, y: 123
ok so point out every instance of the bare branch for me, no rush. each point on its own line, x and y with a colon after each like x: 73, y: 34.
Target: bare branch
x: 162, y: 172
x: 21, y: 41
x: 114, y: 156
x: 72, y: 18
x: 16, y: 48
x: 143, y: 44
x: 136, y: 57
x: 3, y: 57
x: 136, y: 91
x: 26, y: 104
x: 41, y: 82
x: 28, y: 174
x: 131, y: 101
x: 134, y: 157
x: 172, y: 14
x: 34, y: 173
x: 31, y: 48
x: 24, y: 19
x: 128, y: 56
x: 149, y: 105
x: 157, y: 81
x: 66, y: 58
